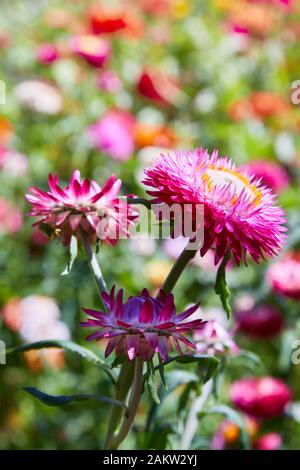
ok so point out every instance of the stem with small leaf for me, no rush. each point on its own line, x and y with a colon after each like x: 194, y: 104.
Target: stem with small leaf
x: 122, y: 388
x: 135, y: 396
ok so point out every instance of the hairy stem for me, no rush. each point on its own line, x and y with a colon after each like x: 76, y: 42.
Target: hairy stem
x: 134, y: 401
x: 93, y: 264
x: 185, y: 257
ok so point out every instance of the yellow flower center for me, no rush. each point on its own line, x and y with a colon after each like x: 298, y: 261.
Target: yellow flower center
x: 218, y: 177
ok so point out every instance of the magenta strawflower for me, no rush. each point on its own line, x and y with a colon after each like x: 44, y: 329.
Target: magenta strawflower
x: 269, y: 441
x: 263, y: 321
x: 240, y: 215
x: 82, y: 205
x: 261, y: 397
x: 142, y: 325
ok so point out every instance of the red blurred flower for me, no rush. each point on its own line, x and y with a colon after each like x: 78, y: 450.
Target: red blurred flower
x: 158, y: 87
x: 262, y: 322
x: 262, y: 397
x: 106, y: 21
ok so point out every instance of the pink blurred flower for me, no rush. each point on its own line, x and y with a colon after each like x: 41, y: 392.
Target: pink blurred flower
x: 270, y: 441
x: 262, y: 397
x: 263, y: 321
x: 47, y: 53
x: 272, y: 175
x: 93, y: 49
x: 13, y: 163
x: 284, y: 276
x: 215, y: 339
x: 240, y: 215
x: 11, y: 219
x: 113, y: 134
x: 37, y: 318
x: 142, y: 325
x: 107, y: 80
x: 82, y: 205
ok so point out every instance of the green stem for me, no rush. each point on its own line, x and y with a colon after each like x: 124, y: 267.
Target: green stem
x: 185, y: 257
x: 139, y: 200
x: 134, y: 401
x: 93, y: 264
x: 122, y: 388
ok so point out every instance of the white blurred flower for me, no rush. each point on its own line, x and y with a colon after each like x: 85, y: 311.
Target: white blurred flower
x: 39, y: 96
x: 40, y: 320
x: 14, y: 163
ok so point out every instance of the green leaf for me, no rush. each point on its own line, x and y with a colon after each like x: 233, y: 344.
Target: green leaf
x: 68, y: 346
x: 119, y: 360
x: 162, y: 372
x: 73, y: 255
x: 249, y: 356
x: 60, y: 400
x: 150, y: 378
x: 235, y: 417
x: 207, y: 364
x: 221, y: 288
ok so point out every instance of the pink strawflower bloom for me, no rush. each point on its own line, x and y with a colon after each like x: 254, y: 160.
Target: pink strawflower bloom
x: 142, y: 325
x: 82, y: 205
x: 93, y: 49
x: 47, y: 53
x: 240, y: 215
x: 284, y: 276
x: 261, y: 397
x: 263, y: 321
x: 270, y: 441
x: 113, y: 134
x: 271, y: 174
